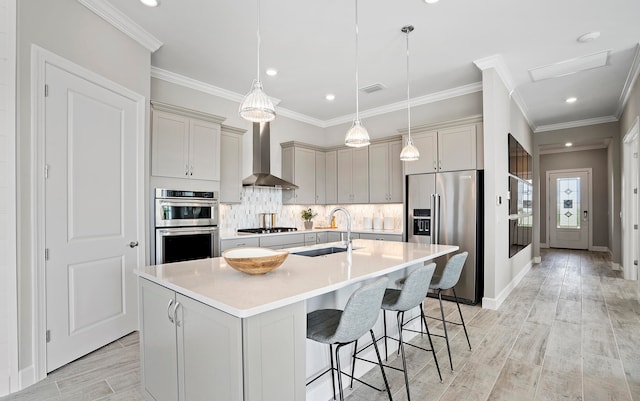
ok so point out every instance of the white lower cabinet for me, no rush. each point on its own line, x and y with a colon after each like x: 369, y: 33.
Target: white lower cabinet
x: 239, y: 243
x: 192, y: 351
x: 382, y: 237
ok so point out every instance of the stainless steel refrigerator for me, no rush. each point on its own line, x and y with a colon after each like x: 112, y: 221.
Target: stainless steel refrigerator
x: 447, y: 208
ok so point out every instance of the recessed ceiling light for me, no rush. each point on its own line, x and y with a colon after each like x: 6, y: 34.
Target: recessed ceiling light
x: 150, y: 3
x: 571, y: 100
x: 589, y: 37
x: 568, y: 144
x: 330, y: 97
x: 431, y: 1
x: 272, y: 72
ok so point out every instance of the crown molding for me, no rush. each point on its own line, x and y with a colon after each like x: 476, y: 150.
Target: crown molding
x: 232, y: 130
x: 171, y: 108
x: 115, y: 17
x: 443, y: 125
x: 567, y: 149
x: 191, y: 83
x: 632, y: 77
x: 418, y: 101
x: 576, y: 124
x: 496, y: 62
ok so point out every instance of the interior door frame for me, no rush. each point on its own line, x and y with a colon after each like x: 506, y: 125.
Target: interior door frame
x: 39, y: 59
x: 630, y: 138
x: 589, y: 172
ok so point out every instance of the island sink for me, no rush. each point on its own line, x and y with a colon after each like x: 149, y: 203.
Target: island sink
x: 320, y: 251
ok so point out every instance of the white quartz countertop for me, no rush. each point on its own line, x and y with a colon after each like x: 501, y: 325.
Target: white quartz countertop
x: 233, y: 235
x: 215, y: 283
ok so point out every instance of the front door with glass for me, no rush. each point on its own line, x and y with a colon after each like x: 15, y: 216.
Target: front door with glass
x: 569, y: 209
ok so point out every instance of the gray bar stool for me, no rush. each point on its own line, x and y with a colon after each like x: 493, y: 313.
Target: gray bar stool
x: 414, y: 290
x: 448, y: 280
x: 343, y: 327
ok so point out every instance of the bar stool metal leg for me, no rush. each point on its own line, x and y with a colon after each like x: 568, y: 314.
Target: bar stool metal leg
x: 461, y: 318
x: 423, y: 320
x: 444, y: 325
x: 400, y: 318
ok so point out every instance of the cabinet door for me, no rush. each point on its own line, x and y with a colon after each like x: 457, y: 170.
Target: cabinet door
x: 427, y: 144
x: 331, y: 177
x: 457, y: 148
x: 379, y: 173
x: 320, y: 178
x: 381, y: 237
x: 159, y: 355
x: 238, y: 243
x: 333, y: 236
x: 230, y: 168
x: 321, y: 237
x: 345, y: 167
x: 360, y: 180
x: 305, y: 176
x: 170, y: 145
x: 288, y: 174
x: 210, y: 351
x: 395, y: 172
x: 204, y: 150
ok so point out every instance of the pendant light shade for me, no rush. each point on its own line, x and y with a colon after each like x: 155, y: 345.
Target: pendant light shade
x: 257, y: 107
x: 409, y: 153
x: 357, y: 135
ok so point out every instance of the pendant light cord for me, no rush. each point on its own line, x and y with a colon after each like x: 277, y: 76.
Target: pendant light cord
x: 408, y: 95
x: 258, y: 35
x: 357, y: 66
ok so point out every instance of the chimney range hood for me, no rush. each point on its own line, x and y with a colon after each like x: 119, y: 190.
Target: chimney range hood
x: 262, y: 176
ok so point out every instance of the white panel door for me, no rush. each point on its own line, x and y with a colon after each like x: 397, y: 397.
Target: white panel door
x: 91, y: 215
x: 569, y: 211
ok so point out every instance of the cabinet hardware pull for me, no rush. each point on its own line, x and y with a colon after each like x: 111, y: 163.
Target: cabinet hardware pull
x: 169, y: 313
x: 175, y: 314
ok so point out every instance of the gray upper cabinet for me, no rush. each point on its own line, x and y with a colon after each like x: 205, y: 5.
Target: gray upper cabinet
x: 185, y: 143
x: 385, y: 172
x: 231, y: 164
x: 299, y: 167
x: 353, y: 176
x: 331, y: 177
x: 320, y: 170
x: 451, y: 148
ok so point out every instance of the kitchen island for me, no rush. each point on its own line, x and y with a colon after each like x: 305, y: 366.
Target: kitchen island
x: 211, y: 332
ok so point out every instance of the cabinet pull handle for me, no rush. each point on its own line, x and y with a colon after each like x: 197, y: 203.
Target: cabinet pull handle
x: 434, y: 165
x: 175, y: 314
x: 186, y: 169
x: 169, y: 315
x: 439, y: 164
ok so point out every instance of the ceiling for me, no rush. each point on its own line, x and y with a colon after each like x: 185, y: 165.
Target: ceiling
x: 312, y: 46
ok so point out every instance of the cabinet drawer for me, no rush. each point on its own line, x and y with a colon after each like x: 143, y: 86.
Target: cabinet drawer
x: 238, y: 242
x: 310, y: 238
x: 273, y: 241
x: 381, y: 237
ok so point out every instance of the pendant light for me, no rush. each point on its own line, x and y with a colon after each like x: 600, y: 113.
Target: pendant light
x: 357, y: 135
x: 409, y: 152
x: 257, y: 106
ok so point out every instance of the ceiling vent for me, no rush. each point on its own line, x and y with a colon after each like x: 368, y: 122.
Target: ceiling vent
x: 372, y: 88
x: 569, y: 66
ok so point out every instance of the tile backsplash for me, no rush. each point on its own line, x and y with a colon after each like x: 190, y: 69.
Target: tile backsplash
x: 256, y: 200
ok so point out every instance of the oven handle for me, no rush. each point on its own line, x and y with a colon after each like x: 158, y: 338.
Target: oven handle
x: 192, y: 202
x: 166, y: 232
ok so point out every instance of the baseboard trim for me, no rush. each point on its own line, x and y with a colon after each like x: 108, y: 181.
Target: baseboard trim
x: 537, y: 260
x: 494, y: 303
x: 616, y: 266
x: 26, y: 378
x: 544, y: 245
x: 599, y: 249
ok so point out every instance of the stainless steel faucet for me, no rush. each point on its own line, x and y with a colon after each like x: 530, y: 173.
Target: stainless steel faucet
x: 346, y: 212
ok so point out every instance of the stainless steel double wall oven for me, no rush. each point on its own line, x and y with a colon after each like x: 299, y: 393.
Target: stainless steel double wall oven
x: 186, y: 225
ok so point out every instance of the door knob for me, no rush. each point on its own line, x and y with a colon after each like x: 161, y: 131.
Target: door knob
x: 133, y: 244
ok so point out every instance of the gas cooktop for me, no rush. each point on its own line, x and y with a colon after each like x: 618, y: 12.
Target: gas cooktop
x: 271, y: 230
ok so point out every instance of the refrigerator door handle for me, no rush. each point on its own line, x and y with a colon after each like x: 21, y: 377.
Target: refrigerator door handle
x: 435, y: 230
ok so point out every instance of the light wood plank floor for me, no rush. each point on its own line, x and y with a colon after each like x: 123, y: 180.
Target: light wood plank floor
x: 569, y: 331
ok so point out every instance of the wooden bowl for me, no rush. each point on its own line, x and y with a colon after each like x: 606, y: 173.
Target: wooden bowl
x: 254, y: 260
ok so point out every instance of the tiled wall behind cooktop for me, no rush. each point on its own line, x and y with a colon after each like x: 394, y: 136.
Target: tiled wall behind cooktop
x: 256, y: 200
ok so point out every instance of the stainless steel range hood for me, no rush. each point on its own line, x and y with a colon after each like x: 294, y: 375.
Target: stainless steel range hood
x: 262, y: 176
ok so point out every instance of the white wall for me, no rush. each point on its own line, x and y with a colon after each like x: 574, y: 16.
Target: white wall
x: 68, y: 29
x: 8, y: 282
x: 501, y: 117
